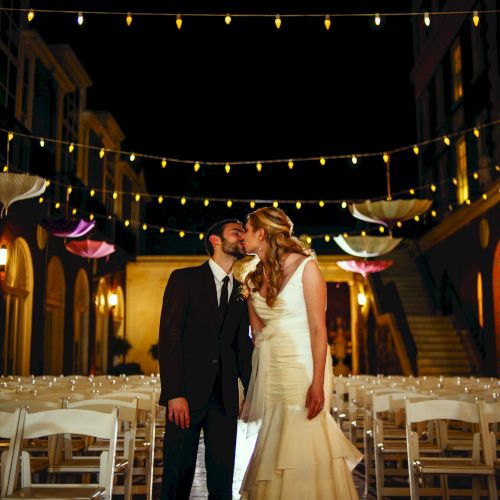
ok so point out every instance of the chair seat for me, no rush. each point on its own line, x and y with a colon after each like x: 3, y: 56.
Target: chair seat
x: 452, y: 466
x: 395, y: 446
x: 77, y: 493
x: 85, y: 464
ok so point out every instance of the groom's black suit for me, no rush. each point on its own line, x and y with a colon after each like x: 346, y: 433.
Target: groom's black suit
x: 201, y: 356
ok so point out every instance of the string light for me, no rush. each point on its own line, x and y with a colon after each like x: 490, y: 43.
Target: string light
x: 321, y: 204
x: 277, y: 21
x: 160, y: 199
x: 345, y: 235
x: 322, y: 161
x: 5, y: 168
x: 128, y: 19
x: 259, y: 167
x: 475, y: 175
x: 127, y: 223
x: 476, y: 133
x: 144, y: 227
x: 42, y: 143
x: 485, y: 196
x: 73, y: 211
x: 182, y: 234
x: 363, y: 233
x: 69, y: 190
x: 178, y: 21
x: 206, y: 203
x: 434, y: 213
x: 91, y: 216
x: 328, y: 23
x: 298, y: 205
x: 101, y: 153
x: 40, y: 200
x: 71, y: 148
x: 201, y: 236
x: 229, y: 203
x: 162, y: 230
x: 183, y: 200
x: 467, y: 201
x: 163, y: 163
x: 80, y: 18
x: 227, y: 168
x: 475, y: 18
x: 115, y: 195
x: 446, y: 140
x: 412, y: 191
x: 132, y: 157
x: 10, y: 136
x: 377, y: 19
x: 433, y: 188
x: 327, y: 238
x: 57, y: 205
x: 417, y: 218
x: 252, y: 204
x: 427, y: 19
x: 385, y: 158
x: 381, y: 229
x: 275, y: 204
x: 47, y: 184
x: 196, y: 166
x: 227, y: 19
x: 137, y: 197
x: 31, y: 15
x: 92, y: 193
x: 344, y: 204
x: 354, y: 160
x: 290, y: 164
x: 399, y: 223
x: 416, y: 149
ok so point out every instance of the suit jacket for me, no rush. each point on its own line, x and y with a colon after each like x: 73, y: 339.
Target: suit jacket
x: 192, y: 348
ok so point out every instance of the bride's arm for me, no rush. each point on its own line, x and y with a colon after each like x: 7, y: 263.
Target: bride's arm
x: 315, y: 297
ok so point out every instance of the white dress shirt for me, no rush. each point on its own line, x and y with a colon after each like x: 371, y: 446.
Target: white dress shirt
x: 219, y: 275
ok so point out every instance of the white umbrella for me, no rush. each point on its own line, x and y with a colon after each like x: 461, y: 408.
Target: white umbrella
x: 16, y: 187
x: 388, y: 212
x: 367, y: 246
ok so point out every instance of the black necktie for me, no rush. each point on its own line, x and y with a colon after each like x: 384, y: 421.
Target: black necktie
x: 223, y: 300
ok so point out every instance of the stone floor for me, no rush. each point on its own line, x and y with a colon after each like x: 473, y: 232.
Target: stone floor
x: 244, y: 449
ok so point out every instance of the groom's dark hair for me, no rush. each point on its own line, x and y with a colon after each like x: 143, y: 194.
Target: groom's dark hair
x: 218, y: 230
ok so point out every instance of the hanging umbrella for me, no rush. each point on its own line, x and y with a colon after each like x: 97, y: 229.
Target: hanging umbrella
x: 64, y: 228
x: 16, y: 187
x: 91, y: 249
x: 367, y: 246
x: 389, y: 212
x: 364, y: 267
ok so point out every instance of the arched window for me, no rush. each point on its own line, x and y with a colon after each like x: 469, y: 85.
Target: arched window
x: 19, y: 282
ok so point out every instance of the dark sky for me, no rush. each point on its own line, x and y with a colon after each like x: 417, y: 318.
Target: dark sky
x: 248, y: 91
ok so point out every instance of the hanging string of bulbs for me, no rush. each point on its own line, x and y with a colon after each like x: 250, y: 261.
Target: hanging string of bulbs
x: 259, y: 164
x: 426, y: 16
x: 144, y: 226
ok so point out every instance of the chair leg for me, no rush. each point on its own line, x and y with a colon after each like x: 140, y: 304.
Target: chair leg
x: 413, y: 483
x: 492, y: 488
x: 379, y: 472
x: 368, y: 463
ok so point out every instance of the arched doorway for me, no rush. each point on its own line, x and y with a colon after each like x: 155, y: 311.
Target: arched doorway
x: 19, y: 281
x: 496, y: 301
x: 53, y: 331
x: 81, y: 303
x: 101, y: 328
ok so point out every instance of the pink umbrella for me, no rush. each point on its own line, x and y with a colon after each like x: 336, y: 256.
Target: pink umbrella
x: 91, y: 249
x: 364, y: 267
x: 64, y: 228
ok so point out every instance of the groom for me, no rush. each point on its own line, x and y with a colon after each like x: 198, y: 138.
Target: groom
x: 204, y: 347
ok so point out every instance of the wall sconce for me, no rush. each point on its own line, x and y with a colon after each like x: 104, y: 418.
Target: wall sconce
x: 361, y: 299
x: 3, y: 258
x: 113, y: 299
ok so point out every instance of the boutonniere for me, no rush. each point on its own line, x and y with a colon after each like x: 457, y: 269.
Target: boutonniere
x: 243, y: 292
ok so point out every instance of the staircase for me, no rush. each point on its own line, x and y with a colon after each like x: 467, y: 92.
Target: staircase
x: 440, y: 351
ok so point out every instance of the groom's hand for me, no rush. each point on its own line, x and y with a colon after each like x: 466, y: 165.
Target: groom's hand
x: 178, y: 412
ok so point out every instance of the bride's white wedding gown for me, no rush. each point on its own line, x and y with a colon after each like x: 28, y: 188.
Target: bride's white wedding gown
x: 294, y: 458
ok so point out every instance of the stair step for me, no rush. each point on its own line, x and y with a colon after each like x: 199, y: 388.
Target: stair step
x: 442, y: 362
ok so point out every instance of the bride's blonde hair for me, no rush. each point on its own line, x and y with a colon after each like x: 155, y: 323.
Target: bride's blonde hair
x: 278, y: 229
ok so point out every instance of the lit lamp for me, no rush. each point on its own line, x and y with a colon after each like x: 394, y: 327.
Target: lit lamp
x: 113, y: 299
x: 3, y: 258
x: 361, y: 299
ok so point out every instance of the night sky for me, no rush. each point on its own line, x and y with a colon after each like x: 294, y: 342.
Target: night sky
x: 248, y: 91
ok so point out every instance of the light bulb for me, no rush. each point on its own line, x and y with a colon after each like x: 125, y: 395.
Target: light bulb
x: 309, y: 240
x: 163, y: 163
x: 227, y: 168
x: 385, y: 157
x: 101, y: 153
x: 71, y: 148
x: 290, y: 164
x: 433, y: 188
x: 345, y: 235
x: 275, y: 204
x: 259, y: 167
x: 321, y: 203
x: 327, y: 238
x: 298, y: 205
x: 427, y: 19
x: 476, y: 132
x: 40, y: 200
x: 137, y: 197
x: 381, y: 229
x: 183, y: 200
x: 399, y: 223
x: 196, y: 166
x: 73, y: 211
x: 363, y: 233
x: 115, y: 195
x: 92, y: 193
x: 132, y: 157
x: 344, y: 204
x: 160, y: 199
x: 227, y: 19
x: 485, y: 196
x: 475, y: 18
x: 328, y: 23
x: 178, y: 21
x: 417, y: 218
x: 252, y: 204
x: 229, y: 203
x: 144, y: 227
x: 277, y: 21
x: 377, y: 19
x: 10, y: 136
x: 127, y: 223
x: 182, y: 234
x: 70, y: 190
x: 447, y: 141
x: 47, y: 184
x: 434, y: 213
x: 322, y: 161
x: 128, y: 19
x: 412, y: 191
x: 354, y: 160
x: 80, y: 19
x: 42, y: 143
x: 206, y: 202
x: 57, y: 205
x: 31, y: 15
x: 416, y: 149
x: 91, y: 216
x: 162, y: 230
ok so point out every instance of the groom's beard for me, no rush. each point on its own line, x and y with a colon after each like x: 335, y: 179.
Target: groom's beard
x: 233, y: 249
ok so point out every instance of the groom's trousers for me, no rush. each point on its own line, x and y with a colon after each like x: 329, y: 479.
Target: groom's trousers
x: 180, y: 449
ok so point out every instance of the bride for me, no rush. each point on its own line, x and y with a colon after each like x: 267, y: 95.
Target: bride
x: 300, y: 452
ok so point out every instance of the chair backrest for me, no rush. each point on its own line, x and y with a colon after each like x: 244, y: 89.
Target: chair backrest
x: 441, y: 409
x: 33, y: 405
x: 491, y: 412
x: 127, y: 409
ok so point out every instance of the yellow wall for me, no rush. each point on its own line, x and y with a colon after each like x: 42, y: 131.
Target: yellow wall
x: 146, y: 281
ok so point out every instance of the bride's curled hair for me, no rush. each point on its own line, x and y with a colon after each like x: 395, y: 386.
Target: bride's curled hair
x: 278, y: 230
